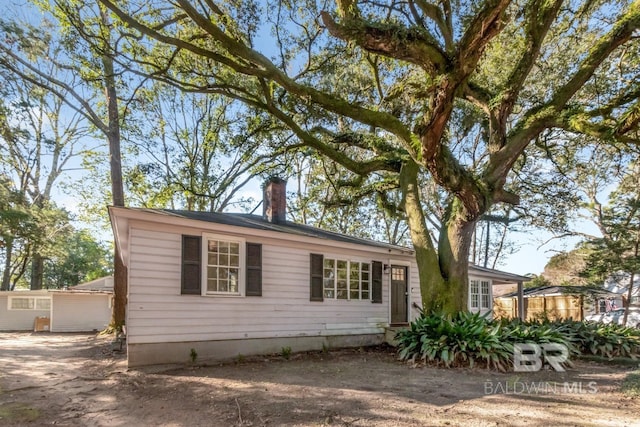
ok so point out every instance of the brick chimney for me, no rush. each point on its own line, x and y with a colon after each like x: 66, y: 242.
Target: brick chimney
x: 274, y: 202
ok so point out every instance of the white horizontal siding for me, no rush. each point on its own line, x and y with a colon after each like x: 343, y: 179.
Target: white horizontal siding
x: 74, y: 312
x: 158, y: 313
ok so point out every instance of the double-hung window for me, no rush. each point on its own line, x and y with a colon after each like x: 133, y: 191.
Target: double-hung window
x: 220, y: 265
x: 223, y: 272
x: 474, y: 294
x: 343, y: 279
x: 479, y: 294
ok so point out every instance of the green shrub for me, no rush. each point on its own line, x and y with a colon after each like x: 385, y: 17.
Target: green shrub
x: 286, y: 352
x: 608, y: 340
x: 460, y: 340
x: 537, y: 332
x: 466, y: 339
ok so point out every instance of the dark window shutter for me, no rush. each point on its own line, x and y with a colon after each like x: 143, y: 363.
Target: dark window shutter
x: 254, y: 270
x: 376, y: 282
x: 317, y: 261
x: 191, y: 259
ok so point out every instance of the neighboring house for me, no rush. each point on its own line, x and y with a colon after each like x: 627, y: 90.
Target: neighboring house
x: 618, y: 285
x: 553, y: 302
x: 82, y: 308
x: 221, y: 285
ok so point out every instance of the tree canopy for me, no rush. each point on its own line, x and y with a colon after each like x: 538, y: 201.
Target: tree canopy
x: 441, y: 114
x: 457, y: 90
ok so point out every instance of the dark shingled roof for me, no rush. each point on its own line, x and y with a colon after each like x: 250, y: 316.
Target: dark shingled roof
x: 257, y: 222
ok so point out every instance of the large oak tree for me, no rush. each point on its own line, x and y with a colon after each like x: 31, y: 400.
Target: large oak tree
x: 377, y: 86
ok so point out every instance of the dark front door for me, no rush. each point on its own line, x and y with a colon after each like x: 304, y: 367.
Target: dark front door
x: 399, y: 305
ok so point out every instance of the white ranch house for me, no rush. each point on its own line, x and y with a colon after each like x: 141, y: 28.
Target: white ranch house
x: 238, y: 284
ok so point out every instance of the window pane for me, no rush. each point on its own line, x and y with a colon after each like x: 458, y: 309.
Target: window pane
x: 485, y: 301
x: 485, y: 287
x: 234, y: 248
x: 342, y: 274
x: 223, y: 266
x: 224, y: 259
x: 233, y: 280
x: 22, y: 303
x: 329, y: 263
x: 365, y: 285
x: 365, y: 294
x: 342, y: 264
x: 397, y: 274
x: 212, y: 259
x: 342, y: 294
x: 355, y: 295
x: 354, y: 284
x: 474, y: 287
x: 328, y: 293
x: 365, y: 267
x: 342, y: 284
x: 474, y: 301
x: 43, y: 304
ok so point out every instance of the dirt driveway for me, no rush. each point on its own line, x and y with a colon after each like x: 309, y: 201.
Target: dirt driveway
x: 76, y: 380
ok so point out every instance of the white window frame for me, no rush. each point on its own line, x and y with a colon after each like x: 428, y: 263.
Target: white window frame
x: 335, y: 260
x: 242, y: 252
x: 34, y: 304
x: 477, y: 283
x: 474, y: 283
x: 483, y: 294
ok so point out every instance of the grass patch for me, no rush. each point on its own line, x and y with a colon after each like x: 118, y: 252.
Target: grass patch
x: 631, y: 384
x: 18, y: 412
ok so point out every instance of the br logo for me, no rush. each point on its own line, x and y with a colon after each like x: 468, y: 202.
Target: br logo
x: 529, y: 357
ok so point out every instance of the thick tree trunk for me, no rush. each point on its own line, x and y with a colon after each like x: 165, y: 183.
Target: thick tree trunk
x: 117, y: 187
x: 118, y: 314
x: 453, y: 251
x: 6, y: 273
x: 444, y: 282
x: 630, y: 291
x: 37, y: 271
x: 431, y: 281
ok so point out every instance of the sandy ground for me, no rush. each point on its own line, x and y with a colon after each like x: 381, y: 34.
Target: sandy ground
x: 77, y: 380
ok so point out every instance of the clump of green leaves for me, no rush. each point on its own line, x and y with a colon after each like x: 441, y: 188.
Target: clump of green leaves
x: 463, y: 339
x: 286, y: 352
x: 193, y: 355
x: 467, y: 339
x: 608, y: 340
